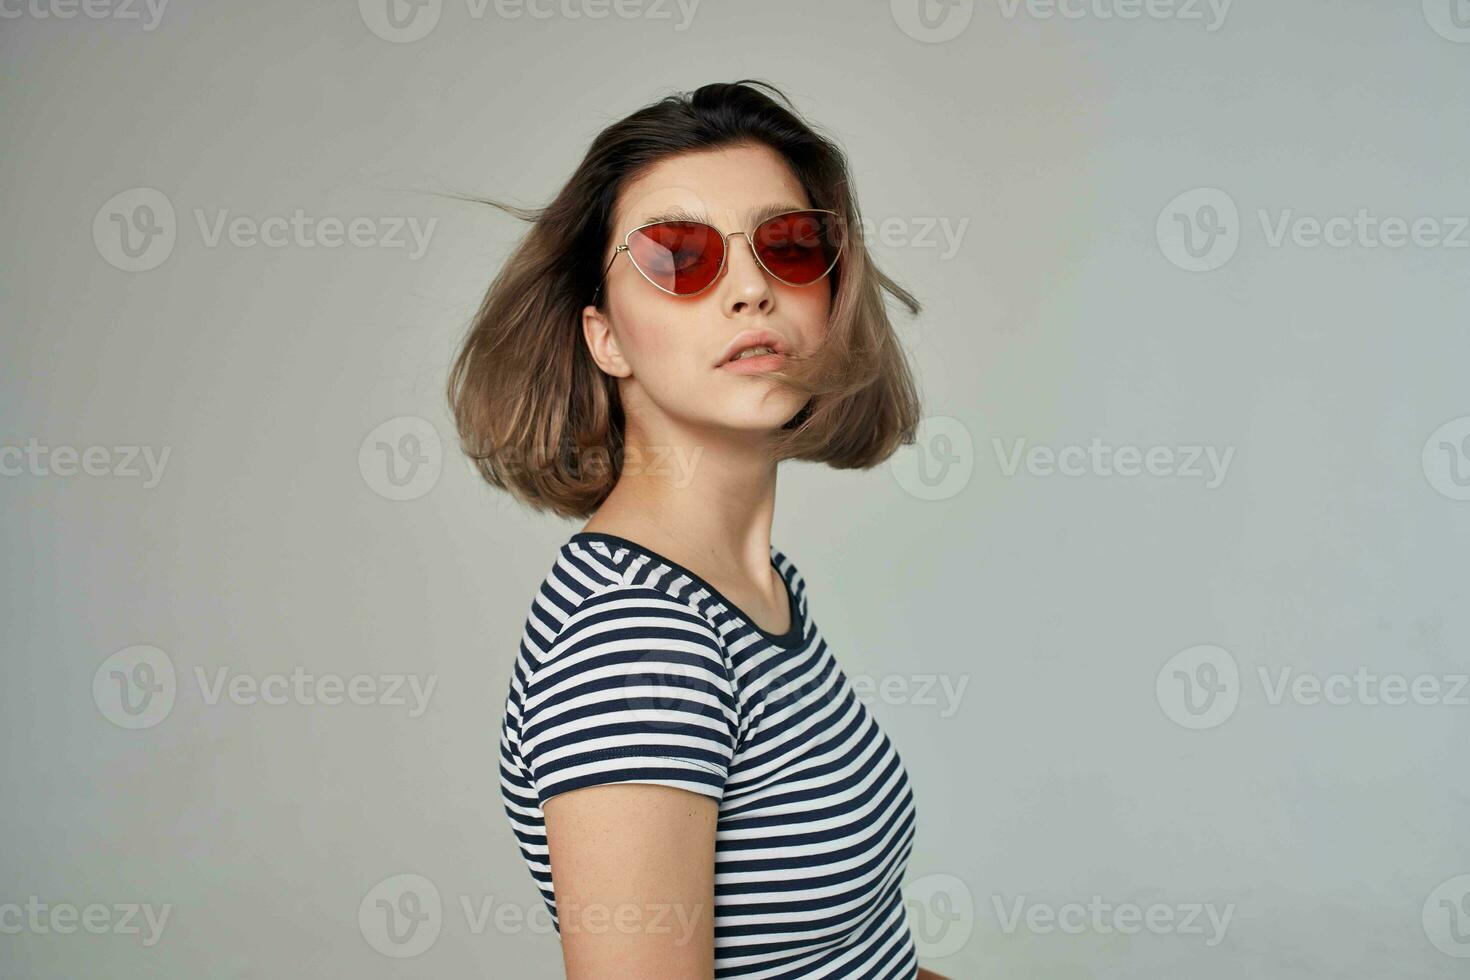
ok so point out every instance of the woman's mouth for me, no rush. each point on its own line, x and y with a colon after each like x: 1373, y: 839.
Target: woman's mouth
x: 753, y: 360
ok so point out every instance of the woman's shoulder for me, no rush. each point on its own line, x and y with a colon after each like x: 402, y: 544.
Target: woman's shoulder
x: 589, y: 573
x: 593, y: 594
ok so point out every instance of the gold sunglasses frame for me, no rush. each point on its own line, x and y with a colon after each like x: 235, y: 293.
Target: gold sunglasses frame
x: 725, y: 253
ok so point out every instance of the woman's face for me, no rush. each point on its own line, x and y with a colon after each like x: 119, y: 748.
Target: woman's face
x: 669, y: 348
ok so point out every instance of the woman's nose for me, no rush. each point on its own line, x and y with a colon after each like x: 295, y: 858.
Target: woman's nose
x: 748, y: 283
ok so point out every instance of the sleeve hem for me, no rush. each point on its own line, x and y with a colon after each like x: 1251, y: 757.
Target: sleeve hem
x: 614, y: 753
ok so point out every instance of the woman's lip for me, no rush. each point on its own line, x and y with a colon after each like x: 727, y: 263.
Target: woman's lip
x: 753, y: 365
x: 753, y: 338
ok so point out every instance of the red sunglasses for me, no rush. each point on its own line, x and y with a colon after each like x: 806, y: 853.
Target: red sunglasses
x: 685, y: 257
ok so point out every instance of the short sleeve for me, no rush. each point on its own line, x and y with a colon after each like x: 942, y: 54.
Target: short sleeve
x: 634, y: 689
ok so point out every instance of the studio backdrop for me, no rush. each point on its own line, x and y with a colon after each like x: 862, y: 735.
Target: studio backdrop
x: 1165, y: 606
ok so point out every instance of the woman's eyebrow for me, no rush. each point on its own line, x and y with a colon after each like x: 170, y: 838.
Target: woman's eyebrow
x: 760, y: 214
x: 755, y: 217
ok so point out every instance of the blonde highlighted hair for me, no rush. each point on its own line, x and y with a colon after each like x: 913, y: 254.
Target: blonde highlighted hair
x: 540, y: 418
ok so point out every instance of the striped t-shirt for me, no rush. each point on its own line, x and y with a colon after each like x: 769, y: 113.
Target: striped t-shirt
x: 632, y: 669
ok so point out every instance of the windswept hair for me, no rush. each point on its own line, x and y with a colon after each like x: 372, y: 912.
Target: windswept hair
x: 538, y: 416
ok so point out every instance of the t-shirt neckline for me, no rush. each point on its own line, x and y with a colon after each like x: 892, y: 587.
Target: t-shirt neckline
x: 791, y: 638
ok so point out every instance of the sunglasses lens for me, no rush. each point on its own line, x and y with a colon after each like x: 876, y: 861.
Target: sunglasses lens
x: 799, y: 247
x: 680, y: 256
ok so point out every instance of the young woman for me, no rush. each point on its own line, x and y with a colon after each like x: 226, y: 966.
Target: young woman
x: 695, y: 788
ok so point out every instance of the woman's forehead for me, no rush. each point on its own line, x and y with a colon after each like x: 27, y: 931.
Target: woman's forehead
x: 743, y: 219
x: 733, y: 188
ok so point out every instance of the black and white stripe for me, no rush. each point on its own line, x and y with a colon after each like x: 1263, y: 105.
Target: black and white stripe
x: 633, y: 669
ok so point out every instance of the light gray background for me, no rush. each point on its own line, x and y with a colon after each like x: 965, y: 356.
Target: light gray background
x: 1331, y: 545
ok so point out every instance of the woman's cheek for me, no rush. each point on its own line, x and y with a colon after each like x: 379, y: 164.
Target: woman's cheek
x: 663, y: 351
x: 641, y: 334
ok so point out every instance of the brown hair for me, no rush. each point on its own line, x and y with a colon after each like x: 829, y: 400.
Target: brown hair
x: 540, y: 418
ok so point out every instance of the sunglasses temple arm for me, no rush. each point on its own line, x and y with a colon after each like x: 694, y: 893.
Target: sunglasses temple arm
x: 598, y: 295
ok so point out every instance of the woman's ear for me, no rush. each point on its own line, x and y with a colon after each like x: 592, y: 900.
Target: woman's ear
x: 602, y: 343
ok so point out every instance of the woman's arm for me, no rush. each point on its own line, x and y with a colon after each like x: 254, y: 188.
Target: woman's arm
x: 633, y: 872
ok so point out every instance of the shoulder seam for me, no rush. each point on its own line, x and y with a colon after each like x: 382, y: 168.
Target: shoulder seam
x: 632, y: 589
x: 619, y: 585
x: 633, y: 563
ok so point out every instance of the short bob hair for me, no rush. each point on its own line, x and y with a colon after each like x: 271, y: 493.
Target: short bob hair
x: 540, y: 418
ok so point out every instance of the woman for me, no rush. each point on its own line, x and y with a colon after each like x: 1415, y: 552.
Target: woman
x: 694, y: 786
